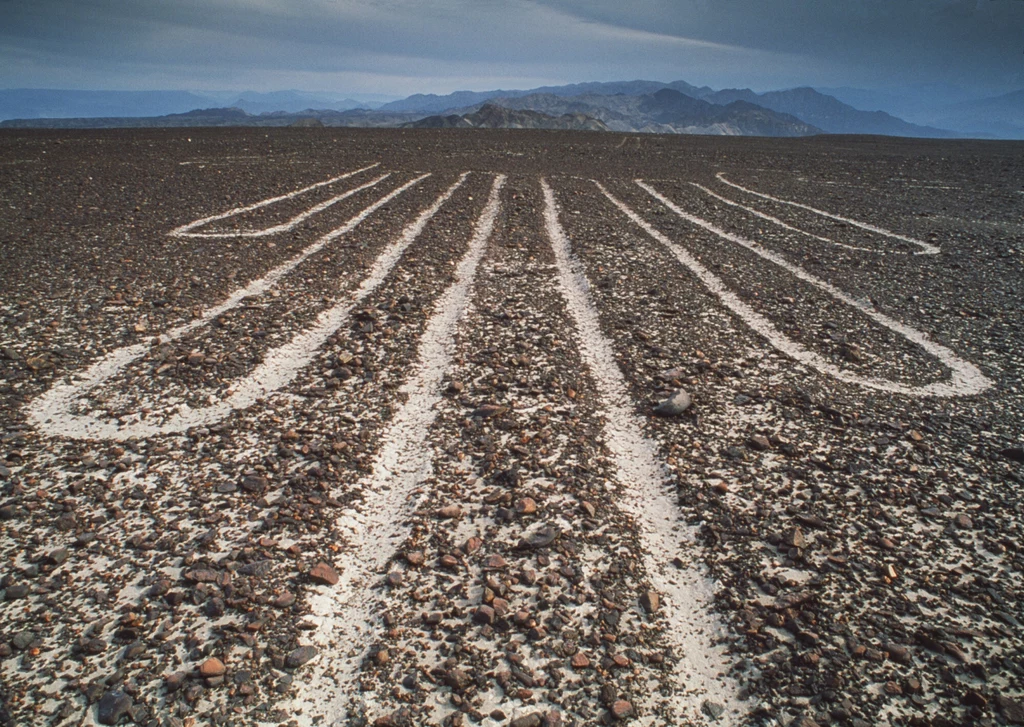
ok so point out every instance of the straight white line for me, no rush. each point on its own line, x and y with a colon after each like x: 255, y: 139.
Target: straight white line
x: 926, y: 248
x: 402, y: 463
x: 184, y: 230
x: 52, y: 412
x: 687, y: 595
x: 780, y: 223
x: 965, y: 378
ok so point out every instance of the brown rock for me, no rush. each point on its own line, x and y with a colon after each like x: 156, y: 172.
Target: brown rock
x: 795, y: 539
x: 415, y: 558
x: 484, y: 615
x: 212, y: 667
x: 760, y: 443
x: 528, y: 720
x: 526, y: 506
x: 323, y: 573
x: 494, y: 562
x: 174, y: 681
x: 489, y: 410
x: 963, y: 521
x: 621, y: 709
x: 472, y: 545
x: 449, y: 512
x: 580, y: 661
x: 650, y: 601
x: 285, y: 600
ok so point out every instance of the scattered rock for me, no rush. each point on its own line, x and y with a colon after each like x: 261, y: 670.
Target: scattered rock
x: 450, y: 512
x: 621, y: 709
x: 1016, y: 454
x: 324, y: 574
x: 795, y: 539
x: 1011, y: 709
x: 674, y: 405
x: 714, y: 710
x: 113, y: 706
x: 212, y: 667
x: 298, y: 657
x: 650, y: 601
x: 963, y: 521
x: 536, y: 719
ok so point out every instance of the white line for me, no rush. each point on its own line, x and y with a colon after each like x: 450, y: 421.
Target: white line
x: 52, y: 412
x: 402, y: 463
x: 965, y: 378
x: 780, y: 223
x: 687, y: 595
x: 184, y: 230
x: 926, y: 248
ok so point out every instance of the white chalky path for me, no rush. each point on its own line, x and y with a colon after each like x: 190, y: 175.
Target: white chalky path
x: 53, y: 412
x: 780, y: 223
x: 687, y: 596
x: 925, y: 248
x: 186, y: 230
x: 965, y: 378
x: 402, y: 463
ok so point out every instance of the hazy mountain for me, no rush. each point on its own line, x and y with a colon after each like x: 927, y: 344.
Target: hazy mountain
x: 666, y: 111
x: 1000, y: 116
x: 431, y: 103
x: 259, y: 103
x: 222, y: 117
x: 649, y: 106
x: 827, y: 113
x: 491, y: 116
x: 33, y: 103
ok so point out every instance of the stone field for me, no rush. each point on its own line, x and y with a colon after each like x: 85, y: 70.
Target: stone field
x: 380, y: 427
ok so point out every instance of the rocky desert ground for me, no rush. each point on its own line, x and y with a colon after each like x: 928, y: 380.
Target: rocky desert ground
x: 439, y: 427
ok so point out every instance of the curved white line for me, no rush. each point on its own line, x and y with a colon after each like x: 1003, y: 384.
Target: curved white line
x: 401, y: 464
x: 653, y: 506
x: 780, y: 223
x: 52, y: 411
x: 184, y: 230
x: 926, y: 248
x: 965, y: 379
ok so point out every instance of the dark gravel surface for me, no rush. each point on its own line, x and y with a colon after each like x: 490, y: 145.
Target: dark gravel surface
x: 864, y: 546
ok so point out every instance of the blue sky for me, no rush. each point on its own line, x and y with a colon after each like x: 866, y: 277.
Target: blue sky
x: 405, y: 46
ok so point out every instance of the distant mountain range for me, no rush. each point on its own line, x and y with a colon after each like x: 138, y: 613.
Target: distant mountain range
x: 636, y: 106
x: 491, y: 116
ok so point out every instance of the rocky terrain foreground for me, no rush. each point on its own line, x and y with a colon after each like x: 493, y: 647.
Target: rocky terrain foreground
x: 421, y: 427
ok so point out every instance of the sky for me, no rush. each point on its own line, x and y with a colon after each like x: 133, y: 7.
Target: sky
x: 400, y: 47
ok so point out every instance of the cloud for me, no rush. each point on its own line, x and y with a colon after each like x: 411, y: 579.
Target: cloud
x: 441, y: 45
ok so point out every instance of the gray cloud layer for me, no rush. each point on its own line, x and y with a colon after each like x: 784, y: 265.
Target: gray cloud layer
x: 401, y: 46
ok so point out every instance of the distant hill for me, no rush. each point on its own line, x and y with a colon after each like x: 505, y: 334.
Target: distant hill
x: 491, y: 116
x: 222, y: 117
x: 431, y: 103
x: 639, y: 106
x: 1000, y: 116
x: 34, y: 103
x: 666, y: 111
x: 292, y: 101
x: 828, y: 113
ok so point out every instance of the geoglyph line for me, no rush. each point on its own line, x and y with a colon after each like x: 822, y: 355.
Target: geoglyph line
x: 376, y: 533
x: 53, y: 412
x: 185, y: 230
x: 965, y: 379
x: 687, y: 595
x: 780, y: 223
x: 926, y: 248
